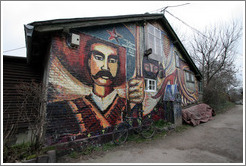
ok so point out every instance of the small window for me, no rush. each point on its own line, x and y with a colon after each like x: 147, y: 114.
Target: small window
x: 189, y: 77
x: 200, y: 86
x: 190, y: 81
x: 192, y: 78
x: 150, y: 85
x: 176, y: 58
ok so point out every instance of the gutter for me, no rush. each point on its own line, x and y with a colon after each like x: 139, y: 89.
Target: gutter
x: 28, y: 37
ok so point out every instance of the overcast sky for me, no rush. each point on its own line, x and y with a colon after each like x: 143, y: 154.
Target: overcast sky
x: 198, y: 14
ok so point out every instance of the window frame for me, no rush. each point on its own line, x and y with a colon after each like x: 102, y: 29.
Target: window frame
x: 200, y: 87
x: 190, y: 81
x: 147, y: 82
x: 177, y: 59
x: 189, y: 76
x: 156, y: 43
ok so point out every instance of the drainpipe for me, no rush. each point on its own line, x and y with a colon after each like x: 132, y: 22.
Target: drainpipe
x: 28, y: 36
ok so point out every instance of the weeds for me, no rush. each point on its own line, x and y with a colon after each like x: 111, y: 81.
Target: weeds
x: 48, y: 148
x: 182, y: 128
x: 90, y: 149
x: 161, y: 123
x: 31, y: 157
x: 74, y: 155
x: 108, y: 146
x: 16, y: 152
x: 19, y: 152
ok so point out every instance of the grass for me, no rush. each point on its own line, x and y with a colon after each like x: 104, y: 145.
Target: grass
x: 16, y: 152
x: 74, y: 155
x: 23, y: 151
x: 182, y: 128
x: 77, y: 154
x: 161, y: 123
x: 159, y: 134
x: 134, y: 137
x: 90, y: 149
x: 107, y: 146
x: 48, y: 148
x: 31, y: 157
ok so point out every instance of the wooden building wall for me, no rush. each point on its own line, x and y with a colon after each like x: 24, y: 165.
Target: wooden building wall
x: 16, y: 71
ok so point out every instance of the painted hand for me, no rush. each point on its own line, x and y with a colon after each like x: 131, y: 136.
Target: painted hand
x: 136, y: 90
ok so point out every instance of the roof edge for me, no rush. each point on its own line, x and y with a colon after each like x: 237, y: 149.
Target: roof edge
x: 61, y: 24
x: 71, y: 20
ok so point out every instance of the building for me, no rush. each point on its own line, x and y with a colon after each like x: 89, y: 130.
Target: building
x: 93, y: 69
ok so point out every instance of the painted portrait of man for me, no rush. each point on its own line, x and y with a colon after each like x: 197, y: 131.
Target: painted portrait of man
x: 99, y: 71
x: 104, y: 104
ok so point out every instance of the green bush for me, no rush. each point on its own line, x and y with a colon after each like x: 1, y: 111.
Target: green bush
x: 215, y: 97
x: 220, y: 108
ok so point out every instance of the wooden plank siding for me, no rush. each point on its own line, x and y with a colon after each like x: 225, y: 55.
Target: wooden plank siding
x: 15, y: 72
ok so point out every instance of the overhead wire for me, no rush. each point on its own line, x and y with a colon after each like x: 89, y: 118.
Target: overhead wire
x: 163, y: 10
x: 194, y: 29
x: 14, y: 49
x: 174, y: 6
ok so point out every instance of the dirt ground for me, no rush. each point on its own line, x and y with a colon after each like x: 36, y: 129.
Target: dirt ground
x: 220, y: 140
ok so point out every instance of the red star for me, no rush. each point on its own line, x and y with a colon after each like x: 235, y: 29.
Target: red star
x: 114, y: 35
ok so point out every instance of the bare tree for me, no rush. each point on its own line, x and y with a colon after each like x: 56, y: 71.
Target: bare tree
x: 10, y: 125
x: 30, y: 100
x: 215, y: 50
x: 32, y: 110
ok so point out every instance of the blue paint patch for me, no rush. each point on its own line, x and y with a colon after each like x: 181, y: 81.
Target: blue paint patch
x: 170, y: 92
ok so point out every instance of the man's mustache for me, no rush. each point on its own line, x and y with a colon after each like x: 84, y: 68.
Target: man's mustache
x: 102, y: 73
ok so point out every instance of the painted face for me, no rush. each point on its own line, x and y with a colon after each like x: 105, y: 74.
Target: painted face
x: 150, y: 68
x: 103, y: 63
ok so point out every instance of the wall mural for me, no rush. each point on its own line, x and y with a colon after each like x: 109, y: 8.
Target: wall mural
x: 92, y: 86
x: 176, y: 75
x: 89, y: 86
